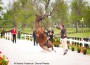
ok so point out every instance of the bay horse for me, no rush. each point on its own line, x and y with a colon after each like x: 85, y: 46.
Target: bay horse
x: 41, y: 36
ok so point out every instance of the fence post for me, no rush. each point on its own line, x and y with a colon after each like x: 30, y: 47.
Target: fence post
x: 70, y: 41
x: 60, y: 39
x: 10, y: 36
x: 83, y: 42
x: 25, y: 36
x: 5, y: 35
x: 29, y: 37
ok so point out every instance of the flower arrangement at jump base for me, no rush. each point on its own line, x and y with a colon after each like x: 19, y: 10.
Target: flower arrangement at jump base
x: 3, y: 59
x: 56, y: 42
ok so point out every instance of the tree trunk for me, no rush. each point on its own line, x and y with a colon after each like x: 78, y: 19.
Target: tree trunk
x: 76, y: 27
x: 62, y: 20
x: 15, y: 24
x: 23, y: 26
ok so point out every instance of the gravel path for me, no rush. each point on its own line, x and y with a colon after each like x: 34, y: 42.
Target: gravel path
x: 24, y: 53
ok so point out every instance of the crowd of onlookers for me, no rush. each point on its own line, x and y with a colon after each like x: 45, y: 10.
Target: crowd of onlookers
x: 12, y: 33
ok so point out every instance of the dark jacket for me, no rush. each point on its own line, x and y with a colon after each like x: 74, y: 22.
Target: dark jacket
x: 63, y: 32
x: 34, y: 34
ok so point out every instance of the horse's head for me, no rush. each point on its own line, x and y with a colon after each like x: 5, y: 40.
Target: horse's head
x: 39, y: 17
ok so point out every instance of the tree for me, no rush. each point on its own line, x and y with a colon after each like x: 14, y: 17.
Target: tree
x: 43, y: 8
x: 7, y: 20
x: 77, y: 11
x: 0, y: 5
x: 23, y: 12
x: 20, y: 13
x: 1, y: 8
x: 57, y: 10
x: 87, y: 16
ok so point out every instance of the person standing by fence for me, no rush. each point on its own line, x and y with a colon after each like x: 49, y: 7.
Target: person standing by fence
x: 34, y: 38
x: 63, y: 37
x: 14, y: 34
x: 2, y: 33
x: 19, y: 33
x: 50, y: 34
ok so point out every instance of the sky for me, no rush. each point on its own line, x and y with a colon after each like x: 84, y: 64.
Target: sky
x: 6, y: 2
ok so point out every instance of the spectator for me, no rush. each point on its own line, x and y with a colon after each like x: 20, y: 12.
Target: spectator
x: 34, y: 38
x: 19, y: 34
x: 14, y: 34
x: 2, y: 32
x: 50, y: 34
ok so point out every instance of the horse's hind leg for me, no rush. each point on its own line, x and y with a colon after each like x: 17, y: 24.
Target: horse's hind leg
x: 53, y: 49
x: 45, y: 48
x: 51, y: 45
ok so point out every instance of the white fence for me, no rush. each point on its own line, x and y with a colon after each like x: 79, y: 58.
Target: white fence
x: 8, y: 35
x: 79, y: 41
x: 25, y: 36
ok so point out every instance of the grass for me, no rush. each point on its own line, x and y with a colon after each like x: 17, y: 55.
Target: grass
x: 73, y: 29
x: 25, y: 30
x: 88, y: 51
x: 79, y: 35
x: 56, y: 31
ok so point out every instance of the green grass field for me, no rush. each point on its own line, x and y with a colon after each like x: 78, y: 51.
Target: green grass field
x: 25, y: 30
x: 79, y: 35
x: 56, y: 31
x: 86, y: 34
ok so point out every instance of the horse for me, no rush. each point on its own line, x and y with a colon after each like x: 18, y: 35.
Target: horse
x: 41, y: 36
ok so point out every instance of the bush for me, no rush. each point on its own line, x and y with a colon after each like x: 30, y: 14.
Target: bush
x: 56, y: 42
x: 73, y: 48
x: 84, y: 51
x: 68, y: 45
x: 78, y: 49
x: 3, y: 59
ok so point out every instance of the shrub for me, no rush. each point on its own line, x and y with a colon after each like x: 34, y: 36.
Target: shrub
x: 56, y: 42
x: 84, y: 50
x: 78, y: 49
x: 3, y: 60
